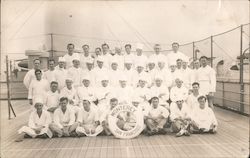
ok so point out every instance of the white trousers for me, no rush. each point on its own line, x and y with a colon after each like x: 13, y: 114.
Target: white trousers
x: 32, y: 133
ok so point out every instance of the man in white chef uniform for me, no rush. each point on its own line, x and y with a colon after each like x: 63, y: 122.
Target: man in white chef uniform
x: 180, y: 117
x: 38, y: 125
x: 175, y: 53
x: 70, y: 92
x: 51, y: 74
x: 129, y: 71
x: 158, y: 56
x: 206, y: 76
x: 38, y: 87
x: 75, y: 71
x: 62, y: 73
x: 161, y: 91
x: 64, y: 120
x: 88, y: 120
x: 156, y: 118
x: 139, y: 56
x: 129, y: 55
x: 100, y: 71
x: 85, y: 56
x: 70, y: 55
x: 204, y: 119
x: 52, y: 98
x: 30, y: 75
x: 192, y: 100
x: 178, y: 91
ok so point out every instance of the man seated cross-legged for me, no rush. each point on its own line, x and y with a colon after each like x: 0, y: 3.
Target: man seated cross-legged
x: 204, y: 119
x: 38, y: 125
x: 88, y: 120
x: 156, y: 118
x: 180, y: 116
x: 64, y: 120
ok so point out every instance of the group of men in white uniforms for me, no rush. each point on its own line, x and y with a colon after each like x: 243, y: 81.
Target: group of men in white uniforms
x: 83, y: 87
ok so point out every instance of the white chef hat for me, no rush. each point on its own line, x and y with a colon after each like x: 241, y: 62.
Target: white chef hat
x: 159, y: 77
x: 68, y: 78
x: 113, y: 60
x: 38, y: 99
x: 90, y: 61
x: 143, y: 78
x: 152, y: 60
x: 128, y: 60
x: 100, y: 58
x: 61, y: 59
x: 140, y: 63
x: 179, y: 98
x: 103, y: 77
x: 136, y: 99
x: 122, y: 78
x: 86, y: 77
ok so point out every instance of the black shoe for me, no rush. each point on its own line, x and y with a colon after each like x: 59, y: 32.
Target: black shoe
x: 27, y: 136
x: 162, y: 131
x: 187, y: 133
x: 73, y: 134
x: 149, y: 133
x: 42, y: 136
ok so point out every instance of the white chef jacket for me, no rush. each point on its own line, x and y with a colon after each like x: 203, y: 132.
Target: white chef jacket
x: 175, y: 112
x: 206, y: 76
x: 69, y: 59
x: 61, y: 77
x: 159, y: 111
x: 38, y: 89
x: 83, y: 93
x: 52, y: 99
x: 114, y: 77
x: 176, y: 92
x: 159, y: 58
x: 69, y: 93
x: 129, y: 75
x: 88, y: 117
x: 29, y: 77
x: 99, y: 73
x: 76, y: 75
x: 167, y: 76
x: 35, y: 121
x: 156, y: 91
x: 204, y: 117
x: 64, y: 119
x: 51, y: 75
x: 84, y: 59
x: 172, y: 56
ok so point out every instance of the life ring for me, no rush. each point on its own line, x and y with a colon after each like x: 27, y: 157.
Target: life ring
x: 126, y: 121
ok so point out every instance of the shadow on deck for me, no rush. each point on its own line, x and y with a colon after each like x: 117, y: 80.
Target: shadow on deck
x: 231, y: 140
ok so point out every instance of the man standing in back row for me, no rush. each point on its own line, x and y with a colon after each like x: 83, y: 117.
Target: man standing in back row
x: 206, y: 76
x: 175, y: 53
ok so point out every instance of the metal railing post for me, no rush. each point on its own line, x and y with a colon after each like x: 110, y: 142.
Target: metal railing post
x: 241, y: 72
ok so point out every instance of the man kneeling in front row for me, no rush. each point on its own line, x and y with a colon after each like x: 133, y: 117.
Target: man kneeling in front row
x: 64, y: 120
x: 156, y: 118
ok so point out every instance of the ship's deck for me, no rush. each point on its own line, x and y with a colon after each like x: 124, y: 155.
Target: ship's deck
x: 231, y: 140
